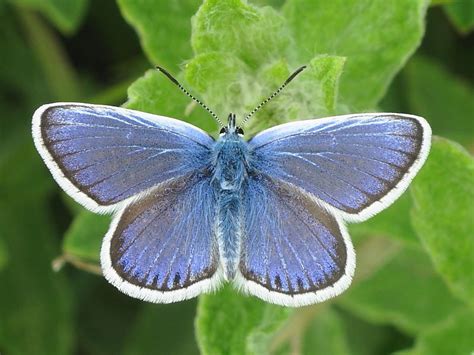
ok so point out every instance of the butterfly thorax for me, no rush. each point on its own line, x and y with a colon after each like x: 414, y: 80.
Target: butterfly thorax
x: 230, y: 158
x: 230, y: 162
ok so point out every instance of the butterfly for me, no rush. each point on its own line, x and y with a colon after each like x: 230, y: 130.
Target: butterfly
x: 191, y: 213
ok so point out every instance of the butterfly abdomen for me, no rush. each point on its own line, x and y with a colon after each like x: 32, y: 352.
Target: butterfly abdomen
x: 229, y: 230
x: 230, y: 173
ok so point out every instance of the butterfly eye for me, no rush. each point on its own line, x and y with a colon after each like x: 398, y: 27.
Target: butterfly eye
x: 239, y: 131
x: 223, y: 130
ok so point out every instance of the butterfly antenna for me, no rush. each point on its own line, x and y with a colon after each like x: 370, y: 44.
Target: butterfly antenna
x: 287, y: 81
x: 204, y: 106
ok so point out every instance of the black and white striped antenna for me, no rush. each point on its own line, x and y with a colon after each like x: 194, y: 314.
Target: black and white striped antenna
x: 287, y: 81
x: 204, y: 106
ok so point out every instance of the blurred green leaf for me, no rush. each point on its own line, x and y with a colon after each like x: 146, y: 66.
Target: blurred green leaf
x: 367, y: 32
x: 365, y: 338
x: 444, y: 100
x: 35, y: 304
x: 3, y: 253
x: 65, y: 15
x: 405, y: 292
x: 231, y: 323
x: 59, y: 73
x: 443, y: 214
x: 454, y: 337
x: 84, y: 236
x: 164, y: 28
x: 325, y: 335
x: 461, y: 14
x: 106, y: 316
x: 394, y: 222
x: 164, y: 329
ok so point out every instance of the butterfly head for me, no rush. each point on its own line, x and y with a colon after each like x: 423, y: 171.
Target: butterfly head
x: 231, y: 128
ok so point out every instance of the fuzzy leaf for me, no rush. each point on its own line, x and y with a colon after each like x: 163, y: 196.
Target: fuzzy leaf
x: 164, y: 28
x: 360, y: 31
x: 405, y: 292
x: 443, y: 214
x: 228, y: 85
x: 154, y: 93
x: 231, y: 323
x: 255, y: 35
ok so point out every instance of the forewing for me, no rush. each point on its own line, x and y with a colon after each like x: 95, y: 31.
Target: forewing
x: 103, y: 155
x: 293, y: 251
x: 163, y: 248
x: 356, y: 164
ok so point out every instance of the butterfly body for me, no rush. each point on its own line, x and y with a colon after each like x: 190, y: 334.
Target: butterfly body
x: 267, y: 214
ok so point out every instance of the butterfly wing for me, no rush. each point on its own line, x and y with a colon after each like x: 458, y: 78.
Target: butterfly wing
x: 355, y: 165
x: 293, y: 251
x: 163, y: 248
x: 104, y: 156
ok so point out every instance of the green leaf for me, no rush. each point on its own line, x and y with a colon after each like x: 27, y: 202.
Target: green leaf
x: 444, y: 100
x: 364, y: 338
x: 454, y: 336
x: 443, y: 214
x: 228, y: 85
x: 361, y: 31
x: 394, y: 222
x: 326, y: 335
x: 3, y: 253
x: 59, y: 73
x: 231, y: 323
x: 65, y: 15
x: 84, y: 236
x: 257, y: 36
x: 166, y: 329
x: 405, y: 292
x: 35, y: 305
x: 461, y: 14
x: 164, y: 28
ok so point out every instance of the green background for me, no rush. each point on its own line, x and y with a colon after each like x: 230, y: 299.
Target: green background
x: 413, y: 291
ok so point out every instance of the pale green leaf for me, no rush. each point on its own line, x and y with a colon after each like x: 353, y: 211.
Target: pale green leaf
x: 255, y: 35
x: 366, y: 32
x: 405, y: 292
x: 230, y: 323
x: 154, y: 93
x: 164, y: 28
x: 228, y: 85
x: 443, y: 214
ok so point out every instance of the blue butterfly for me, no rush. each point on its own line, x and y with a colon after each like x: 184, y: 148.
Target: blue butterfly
x: 191, y: 213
